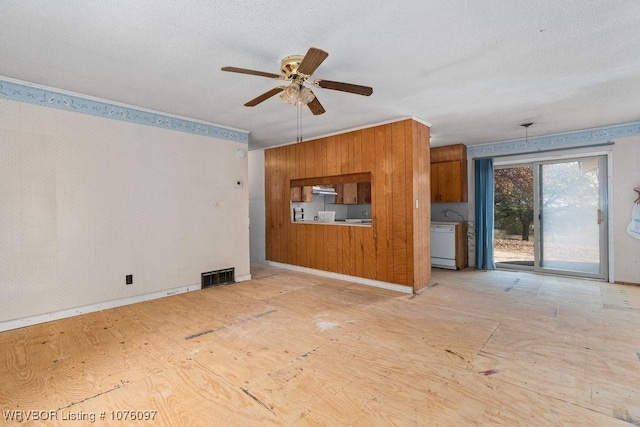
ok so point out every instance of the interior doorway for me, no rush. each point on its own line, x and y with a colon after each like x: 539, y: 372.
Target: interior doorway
x: 551, y: 216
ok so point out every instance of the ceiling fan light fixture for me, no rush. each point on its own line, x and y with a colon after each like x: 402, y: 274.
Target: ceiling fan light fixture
x: 305, y: 96
x: 297, y: 95
x: 290, y: 94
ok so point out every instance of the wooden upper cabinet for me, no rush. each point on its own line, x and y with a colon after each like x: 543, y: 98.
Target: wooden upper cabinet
x: 364, y: 192
x: 347, y: 193
x: 449, y: 153
x: 449, y: 173
x: 307, y: 193
x: 302, y: 194
x: 352, y: 193
x: 340, y: 193
x: 296, y: 194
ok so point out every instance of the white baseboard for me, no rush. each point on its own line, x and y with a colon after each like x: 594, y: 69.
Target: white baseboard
x: 243, y: 278
x: 345, y: 277
x: 48, y: 317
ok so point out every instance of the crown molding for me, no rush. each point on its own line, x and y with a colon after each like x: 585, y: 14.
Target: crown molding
x: 577, y: 139
x: 38, y: 95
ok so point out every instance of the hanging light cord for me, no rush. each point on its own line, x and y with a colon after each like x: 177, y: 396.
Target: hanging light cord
x: 526, y: 131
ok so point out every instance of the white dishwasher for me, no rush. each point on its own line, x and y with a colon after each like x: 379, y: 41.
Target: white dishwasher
x: 443, y: 245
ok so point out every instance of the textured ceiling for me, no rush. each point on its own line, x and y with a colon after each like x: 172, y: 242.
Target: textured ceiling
x: 475, y: 70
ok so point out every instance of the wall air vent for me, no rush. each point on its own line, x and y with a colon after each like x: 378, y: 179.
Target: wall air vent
x: 218, y: 277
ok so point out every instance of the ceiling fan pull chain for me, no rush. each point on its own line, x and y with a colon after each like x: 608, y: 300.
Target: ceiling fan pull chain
x: 298, y: 124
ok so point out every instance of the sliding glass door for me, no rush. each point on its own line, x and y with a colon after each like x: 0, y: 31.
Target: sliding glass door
x: 551, y: 217
x: 571, y: 220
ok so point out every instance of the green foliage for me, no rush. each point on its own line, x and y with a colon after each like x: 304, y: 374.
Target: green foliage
x: 514, y: 200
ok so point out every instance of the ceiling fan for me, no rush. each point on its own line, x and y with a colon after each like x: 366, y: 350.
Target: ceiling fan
x: 297, y: 69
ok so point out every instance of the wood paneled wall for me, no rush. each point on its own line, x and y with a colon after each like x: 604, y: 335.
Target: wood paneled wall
x: 395, y: 248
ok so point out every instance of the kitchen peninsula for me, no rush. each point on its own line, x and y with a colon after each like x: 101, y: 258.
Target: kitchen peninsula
x: 393, y: 159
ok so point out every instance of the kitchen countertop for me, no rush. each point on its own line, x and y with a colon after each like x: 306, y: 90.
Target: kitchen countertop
x: 445, y: 222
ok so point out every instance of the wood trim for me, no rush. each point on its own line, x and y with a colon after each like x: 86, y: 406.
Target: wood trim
x: 331, y: 156
x: 399, y: 209
x: 334, y: 179
x: 461, y: 246
x: 379, y: 207
x: 422, y: 212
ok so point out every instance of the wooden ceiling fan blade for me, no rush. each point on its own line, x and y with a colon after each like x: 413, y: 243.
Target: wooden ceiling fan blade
x: 344, y: 87
x: 252, y: 72
x: 264, y: 96
x: 315, y: 107
x: 312, y: 61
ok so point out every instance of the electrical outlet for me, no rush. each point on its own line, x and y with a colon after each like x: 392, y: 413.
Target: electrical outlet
x: 129, y: 279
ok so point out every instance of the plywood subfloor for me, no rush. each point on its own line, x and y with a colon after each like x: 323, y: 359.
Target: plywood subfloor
x: 287, y: 348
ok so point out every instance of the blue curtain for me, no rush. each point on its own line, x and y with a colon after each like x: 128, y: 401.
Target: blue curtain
x: 484, y: 213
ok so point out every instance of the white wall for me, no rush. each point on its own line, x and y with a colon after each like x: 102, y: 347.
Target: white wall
x: 86, y: 200
x: 449, y: 211
x: 626, y: 176
x: 257, y: 205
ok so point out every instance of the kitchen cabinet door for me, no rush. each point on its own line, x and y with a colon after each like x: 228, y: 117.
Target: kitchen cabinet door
x: 448, y: 153
x: 347, y: 193
x: 449, y: 181
x: 364, y: 192
x: 350, y: 196
x: 296, y: 194
x: 449, y: 173
x: 307, y: 193
x: 302, y: 194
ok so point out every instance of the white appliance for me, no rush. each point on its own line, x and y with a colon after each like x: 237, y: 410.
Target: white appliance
x: 326, y: 216
x: 443, y: 245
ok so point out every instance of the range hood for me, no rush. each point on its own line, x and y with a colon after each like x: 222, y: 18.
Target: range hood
x: 320, y: 189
